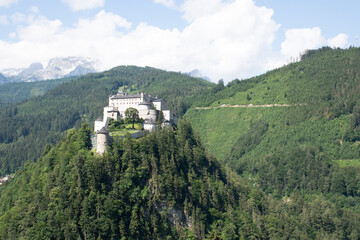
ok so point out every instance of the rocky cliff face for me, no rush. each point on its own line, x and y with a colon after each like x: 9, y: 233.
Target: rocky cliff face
x: 56, y: 68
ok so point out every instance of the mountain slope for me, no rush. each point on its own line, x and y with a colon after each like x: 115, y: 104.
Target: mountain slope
x: 21, y: 91
x: 291, y: 128
x: 3, y: 79
x: 27, y: 127
x: 133, y: 192
x: 162, y: 186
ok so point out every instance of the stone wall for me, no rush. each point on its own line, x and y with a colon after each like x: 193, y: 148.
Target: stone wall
x: 102, y: 142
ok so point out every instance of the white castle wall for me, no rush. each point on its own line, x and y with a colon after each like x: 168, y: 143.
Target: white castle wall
x: 159, y: 105
x: 169, y: 116
x: 122, y: 102
x: 149, y: 126
x: 150, y: 114
x: 147, y: 106
x: 106, y: 110
x: 113, y: 115
x: 143, y: 107
x: 98, y: 125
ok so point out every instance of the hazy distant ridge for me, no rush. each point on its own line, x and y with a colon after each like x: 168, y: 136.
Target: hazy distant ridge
x: 3, y: 79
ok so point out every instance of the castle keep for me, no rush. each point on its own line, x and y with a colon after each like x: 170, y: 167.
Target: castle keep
x: 149, y: 109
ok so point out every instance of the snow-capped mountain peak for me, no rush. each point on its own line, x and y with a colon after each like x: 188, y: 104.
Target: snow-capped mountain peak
x: 60, y: 67
x: 197, y: 74
x: 56, y: 68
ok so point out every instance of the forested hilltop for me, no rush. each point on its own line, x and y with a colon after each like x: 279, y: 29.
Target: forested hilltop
x: 162, y: 186
x: 16, y: 92
x: 27, y: 127
x: 309, y: 106
x: 291, y: 138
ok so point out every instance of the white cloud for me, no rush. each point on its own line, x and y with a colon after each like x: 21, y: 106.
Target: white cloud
x: 340, y: 41
x: 167, y: 3
x: 33, y: 9
x: 78, y: 5
x: 3, y: 20
x: 7, y: 3
x: 43, y: 39
x: 299, y: 40
x: 12, y: 35
x: 228, y: 40
x: 227, y: 43
x: 194, y: 9
x: 232, y: 41
x: 18, y: 18
x: 41, y: 30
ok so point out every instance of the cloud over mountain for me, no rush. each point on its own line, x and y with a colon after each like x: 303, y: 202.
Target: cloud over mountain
x: 298, y: 40
x: 339, y: 41
x: 223, y: 39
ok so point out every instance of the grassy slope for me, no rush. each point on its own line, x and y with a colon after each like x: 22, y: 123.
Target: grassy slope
x: 313, y: 83
x: 220, y: 128
x: 269, y: 91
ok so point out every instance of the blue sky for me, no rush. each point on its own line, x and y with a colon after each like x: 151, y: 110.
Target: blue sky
x: 224, y: 39
x: 332, y: 16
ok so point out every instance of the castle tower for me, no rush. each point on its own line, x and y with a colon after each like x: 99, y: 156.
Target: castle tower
x: 102, y: 140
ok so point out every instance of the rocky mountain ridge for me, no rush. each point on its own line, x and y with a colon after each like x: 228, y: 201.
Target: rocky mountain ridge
x: 56, y: 68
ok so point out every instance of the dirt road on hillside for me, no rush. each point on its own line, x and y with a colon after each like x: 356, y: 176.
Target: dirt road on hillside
x: 245, y: 106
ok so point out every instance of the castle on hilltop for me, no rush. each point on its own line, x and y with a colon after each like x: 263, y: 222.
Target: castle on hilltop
x: 149, y: 109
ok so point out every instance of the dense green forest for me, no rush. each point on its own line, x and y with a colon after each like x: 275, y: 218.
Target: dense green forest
x: 321, y: 109
x: 291, y: 138
x: 308, y: 144
x: 27, y: 127
x: 162, y: 186
x: 21, y: 91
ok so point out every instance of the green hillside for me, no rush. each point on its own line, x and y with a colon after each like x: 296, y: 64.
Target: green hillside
x: 295, y: 128
x: 326, y: 79
x: 27, y: 127
x: 162, y: 186
x: 290, y: 140
x: 21, y: 91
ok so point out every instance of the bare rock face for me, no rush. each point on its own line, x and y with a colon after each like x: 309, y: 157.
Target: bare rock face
x: 56, y: 68
x: 34, y: 67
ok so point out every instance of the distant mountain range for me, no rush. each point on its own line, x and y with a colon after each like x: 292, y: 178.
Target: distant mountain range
x: 197, y: 74
x: 287, y: 144
x: 56, y: 68
x: 3, y: 79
